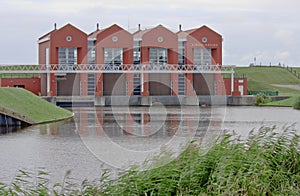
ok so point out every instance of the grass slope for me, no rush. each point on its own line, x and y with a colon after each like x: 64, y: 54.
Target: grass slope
x: 33, y: 107
x: 282, y: 103
x: 262, y: 78
x: 297, y: 69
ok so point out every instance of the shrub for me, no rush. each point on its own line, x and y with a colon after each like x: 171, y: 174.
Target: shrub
x: 262, y: 99
x: 297, y: 103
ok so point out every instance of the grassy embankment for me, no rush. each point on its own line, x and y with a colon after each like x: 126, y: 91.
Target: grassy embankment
x: 27, y: 104
x: 297, y: 69
x: 19, y: 75
x: 266, y: 79
x: 267, y: 163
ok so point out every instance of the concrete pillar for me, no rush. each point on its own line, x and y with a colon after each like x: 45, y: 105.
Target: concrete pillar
x: 99, y: 85
x: 48, y: 80
x: 129, y: 80
x: 84, y: 84
x: 174, y: 84
x: 232, y: 82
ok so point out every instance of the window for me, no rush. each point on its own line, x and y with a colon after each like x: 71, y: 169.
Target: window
x: 113, y: 56
x: 181, y: 84
x: 67, y: 56
x: 91, y: 84
x: 158, y: 56
x: 202, y: 56
x: 47, y: 56
x: 136, y: 84
x: 137, y: 52
x: 91, y: 52
x: 181, y: 52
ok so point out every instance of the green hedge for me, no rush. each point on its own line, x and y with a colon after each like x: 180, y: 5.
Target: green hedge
x: 297, y: 103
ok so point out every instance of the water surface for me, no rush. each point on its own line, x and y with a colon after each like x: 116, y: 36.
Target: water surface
x: 116, y: 137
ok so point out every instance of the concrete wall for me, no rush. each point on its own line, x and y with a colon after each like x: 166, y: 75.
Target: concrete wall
x: 154, y: 100
x: 241, y: 100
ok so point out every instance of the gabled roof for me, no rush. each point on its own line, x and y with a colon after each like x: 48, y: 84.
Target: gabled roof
x: 56, y: 30
x: 141, y: 33
x: 182, y: 34
x: 95, y: 33
x: 71, y: 26
x: 47, y: 34
x: 202, y: 27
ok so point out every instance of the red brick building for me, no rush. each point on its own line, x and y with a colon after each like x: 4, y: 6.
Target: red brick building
x: 64, y: 46
x: 148, y: 62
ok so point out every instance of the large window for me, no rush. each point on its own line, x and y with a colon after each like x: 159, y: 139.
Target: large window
x: 136, y: 84
x: 181, y: 52
x: 91, y: 84
x: 158, y: 56
x: 91, y: 52
x: 181, y: 84
x: 113, y: 56
x: 137, y: 52
x: 67, y: 56
x: 202, y: 56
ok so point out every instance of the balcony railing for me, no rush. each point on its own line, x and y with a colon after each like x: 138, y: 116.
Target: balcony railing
x: 124, y: 68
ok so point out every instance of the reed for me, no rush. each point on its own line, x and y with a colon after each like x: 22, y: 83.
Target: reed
x: 266, y: 163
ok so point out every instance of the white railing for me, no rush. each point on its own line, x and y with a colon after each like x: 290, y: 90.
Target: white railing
x: 124, y: 68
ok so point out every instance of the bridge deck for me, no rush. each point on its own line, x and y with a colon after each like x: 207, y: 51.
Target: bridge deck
x: 101, y: 68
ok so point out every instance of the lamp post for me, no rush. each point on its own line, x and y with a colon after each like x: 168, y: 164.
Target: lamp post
x: 254, y: 60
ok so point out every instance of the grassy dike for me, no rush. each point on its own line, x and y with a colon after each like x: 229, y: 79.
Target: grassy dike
x: 266, y: 78
x: 25, y: 105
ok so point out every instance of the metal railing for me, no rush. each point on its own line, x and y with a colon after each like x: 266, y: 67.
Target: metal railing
x: 124, y: 68
x: 293, y: 71
x: 267, y: 93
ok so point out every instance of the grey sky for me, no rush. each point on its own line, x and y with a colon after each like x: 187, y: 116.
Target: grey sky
x: 265, y: 29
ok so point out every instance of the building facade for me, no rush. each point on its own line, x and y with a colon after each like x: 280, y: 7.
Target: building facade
x: 114, y: 48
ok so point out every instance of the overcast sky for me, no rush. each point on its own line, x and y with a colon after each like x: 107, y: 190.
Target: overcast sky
x: 266, y: 29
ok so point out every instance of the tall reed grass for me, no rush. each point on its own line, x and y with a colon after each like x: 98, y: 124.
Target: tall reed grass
x: 266, y: 163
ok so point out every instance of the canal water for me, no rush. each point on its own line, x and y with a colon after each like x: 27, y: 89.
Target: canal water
x: 115, y: 138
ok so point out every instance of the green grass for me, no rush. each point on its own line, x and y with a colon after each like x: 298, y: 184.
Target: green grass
x: 267, y: 163
x: 19, y: 75
x: 296, y: 103
x: 297, y: 69
x: 282, y: 103
x: 263, y: 78
x: 33, y: 107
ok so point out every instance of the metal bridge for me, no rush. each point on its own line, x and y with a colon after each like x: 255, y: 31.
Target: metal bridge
x: 60, y: 69
x: 124, y: 68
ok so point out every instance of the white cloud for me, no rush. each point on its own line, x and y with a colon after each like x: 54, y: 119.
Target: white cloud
x: 283, y: 55
x: 263, y: 28
x: 285, y: 36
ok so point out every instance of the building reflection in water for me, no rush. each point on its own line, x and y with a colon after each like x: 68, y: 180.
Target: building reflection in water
x: 137, y: 122
x: 121, y: 136
x: 144, y: 122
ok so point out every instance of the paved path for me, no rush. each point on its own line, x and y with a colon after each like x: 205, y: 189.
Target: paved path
x: 296, y: 87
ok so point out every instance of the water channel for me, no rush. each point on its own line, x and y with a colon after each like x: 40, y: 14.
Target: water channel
x: 104, y: 137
